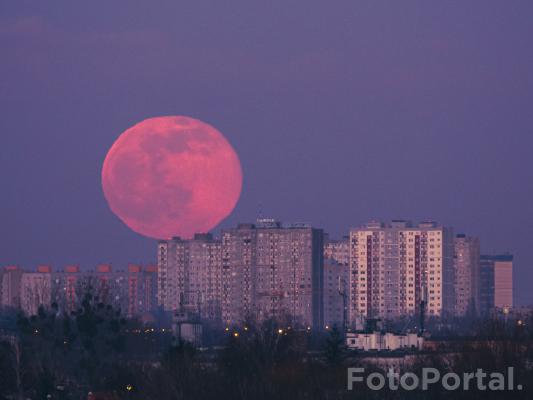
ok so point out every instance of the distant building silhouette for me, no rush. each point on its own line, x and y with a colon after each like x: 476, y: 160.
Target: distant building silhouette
x: 467, y: 275
x: 336, y: 280
x: 496, y: 282
x: 133, y: 291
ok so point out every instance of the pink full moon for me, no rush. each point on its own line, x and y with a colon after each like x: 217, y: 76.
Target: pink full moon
x: 171, y: 176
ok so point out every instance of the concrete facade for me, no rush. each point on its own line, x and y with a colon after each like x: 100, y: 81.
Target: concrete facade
x: 393, y: 267
x: 273, y: 271
x: 467, y: 275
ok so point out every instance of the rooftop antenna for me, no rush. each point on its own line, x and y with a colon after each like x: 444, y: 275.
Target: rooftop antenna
x: 260, y: 210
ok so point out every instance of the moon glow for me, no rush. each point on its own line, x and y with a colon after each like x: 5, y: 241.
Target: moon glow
x: 171, y: 176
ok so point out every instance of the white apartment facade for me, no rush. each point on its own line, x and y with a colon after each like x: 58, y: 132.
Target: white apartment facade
x: 394, y: 267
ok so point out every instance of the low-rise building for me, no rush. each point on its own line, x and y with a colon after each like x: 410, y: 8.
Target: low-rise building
x: 379, y: 341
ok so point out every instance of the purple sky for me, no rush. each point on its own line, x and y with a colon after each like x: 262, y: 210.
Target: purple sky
x: 340, y: 111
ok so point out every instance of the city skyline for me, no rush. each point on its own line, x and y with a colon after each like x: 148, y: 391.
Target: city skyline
x: 385, y: 270
x: 358, y: 111
x: 257, y: 200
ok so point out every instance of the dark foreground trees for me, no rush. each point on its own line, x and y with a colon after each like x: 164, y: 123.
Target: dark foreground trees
x: 66, y: 355
x: 95, y: 349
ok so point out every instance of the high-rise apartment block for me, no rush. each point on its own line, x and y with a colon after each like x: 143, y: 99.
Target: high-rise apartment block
x: 466, y: 275
x: 496, y: 282
x: 190, y: 275
x: 394, y: 267
x: 291, y: 273
x: 273, y: 271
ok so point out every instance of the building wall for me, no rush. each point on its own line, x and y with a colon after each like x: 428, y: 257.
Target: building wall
x: 271, y: 271
x: 337, y: 250
x: 335, y: 287
x: 383, y: 341
x: 10, y: 286
x: 239, y: 274
x: 190, y: 275
x: 167, y: 279
x: 67, y: 287
x: 467, y: 275
x: 503, y: 283
x: 496, y: 282
x: 133, y: 291
x: 204, y: 277
x: 36, y: 291
x: 150, y: 287
x: 395, y: 266
x: 336, y: 261
x: 486, y: 286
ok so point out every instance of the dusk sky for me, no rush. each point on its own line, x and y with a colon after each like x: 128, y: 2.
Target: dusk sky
x: 340, y: 112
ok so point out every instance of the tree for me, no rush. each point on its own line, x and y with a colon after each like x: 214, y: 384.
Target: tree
x: 84, y: 346
x: 334, y: 348
x: 9, y: 382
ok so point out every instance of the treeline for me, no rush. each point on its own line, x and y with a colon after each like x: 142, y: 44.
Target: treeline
x: 95, y: 349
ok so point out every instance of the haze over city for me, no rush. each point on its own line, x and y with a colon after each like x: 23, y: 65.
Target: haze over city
x: 339, y: 115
